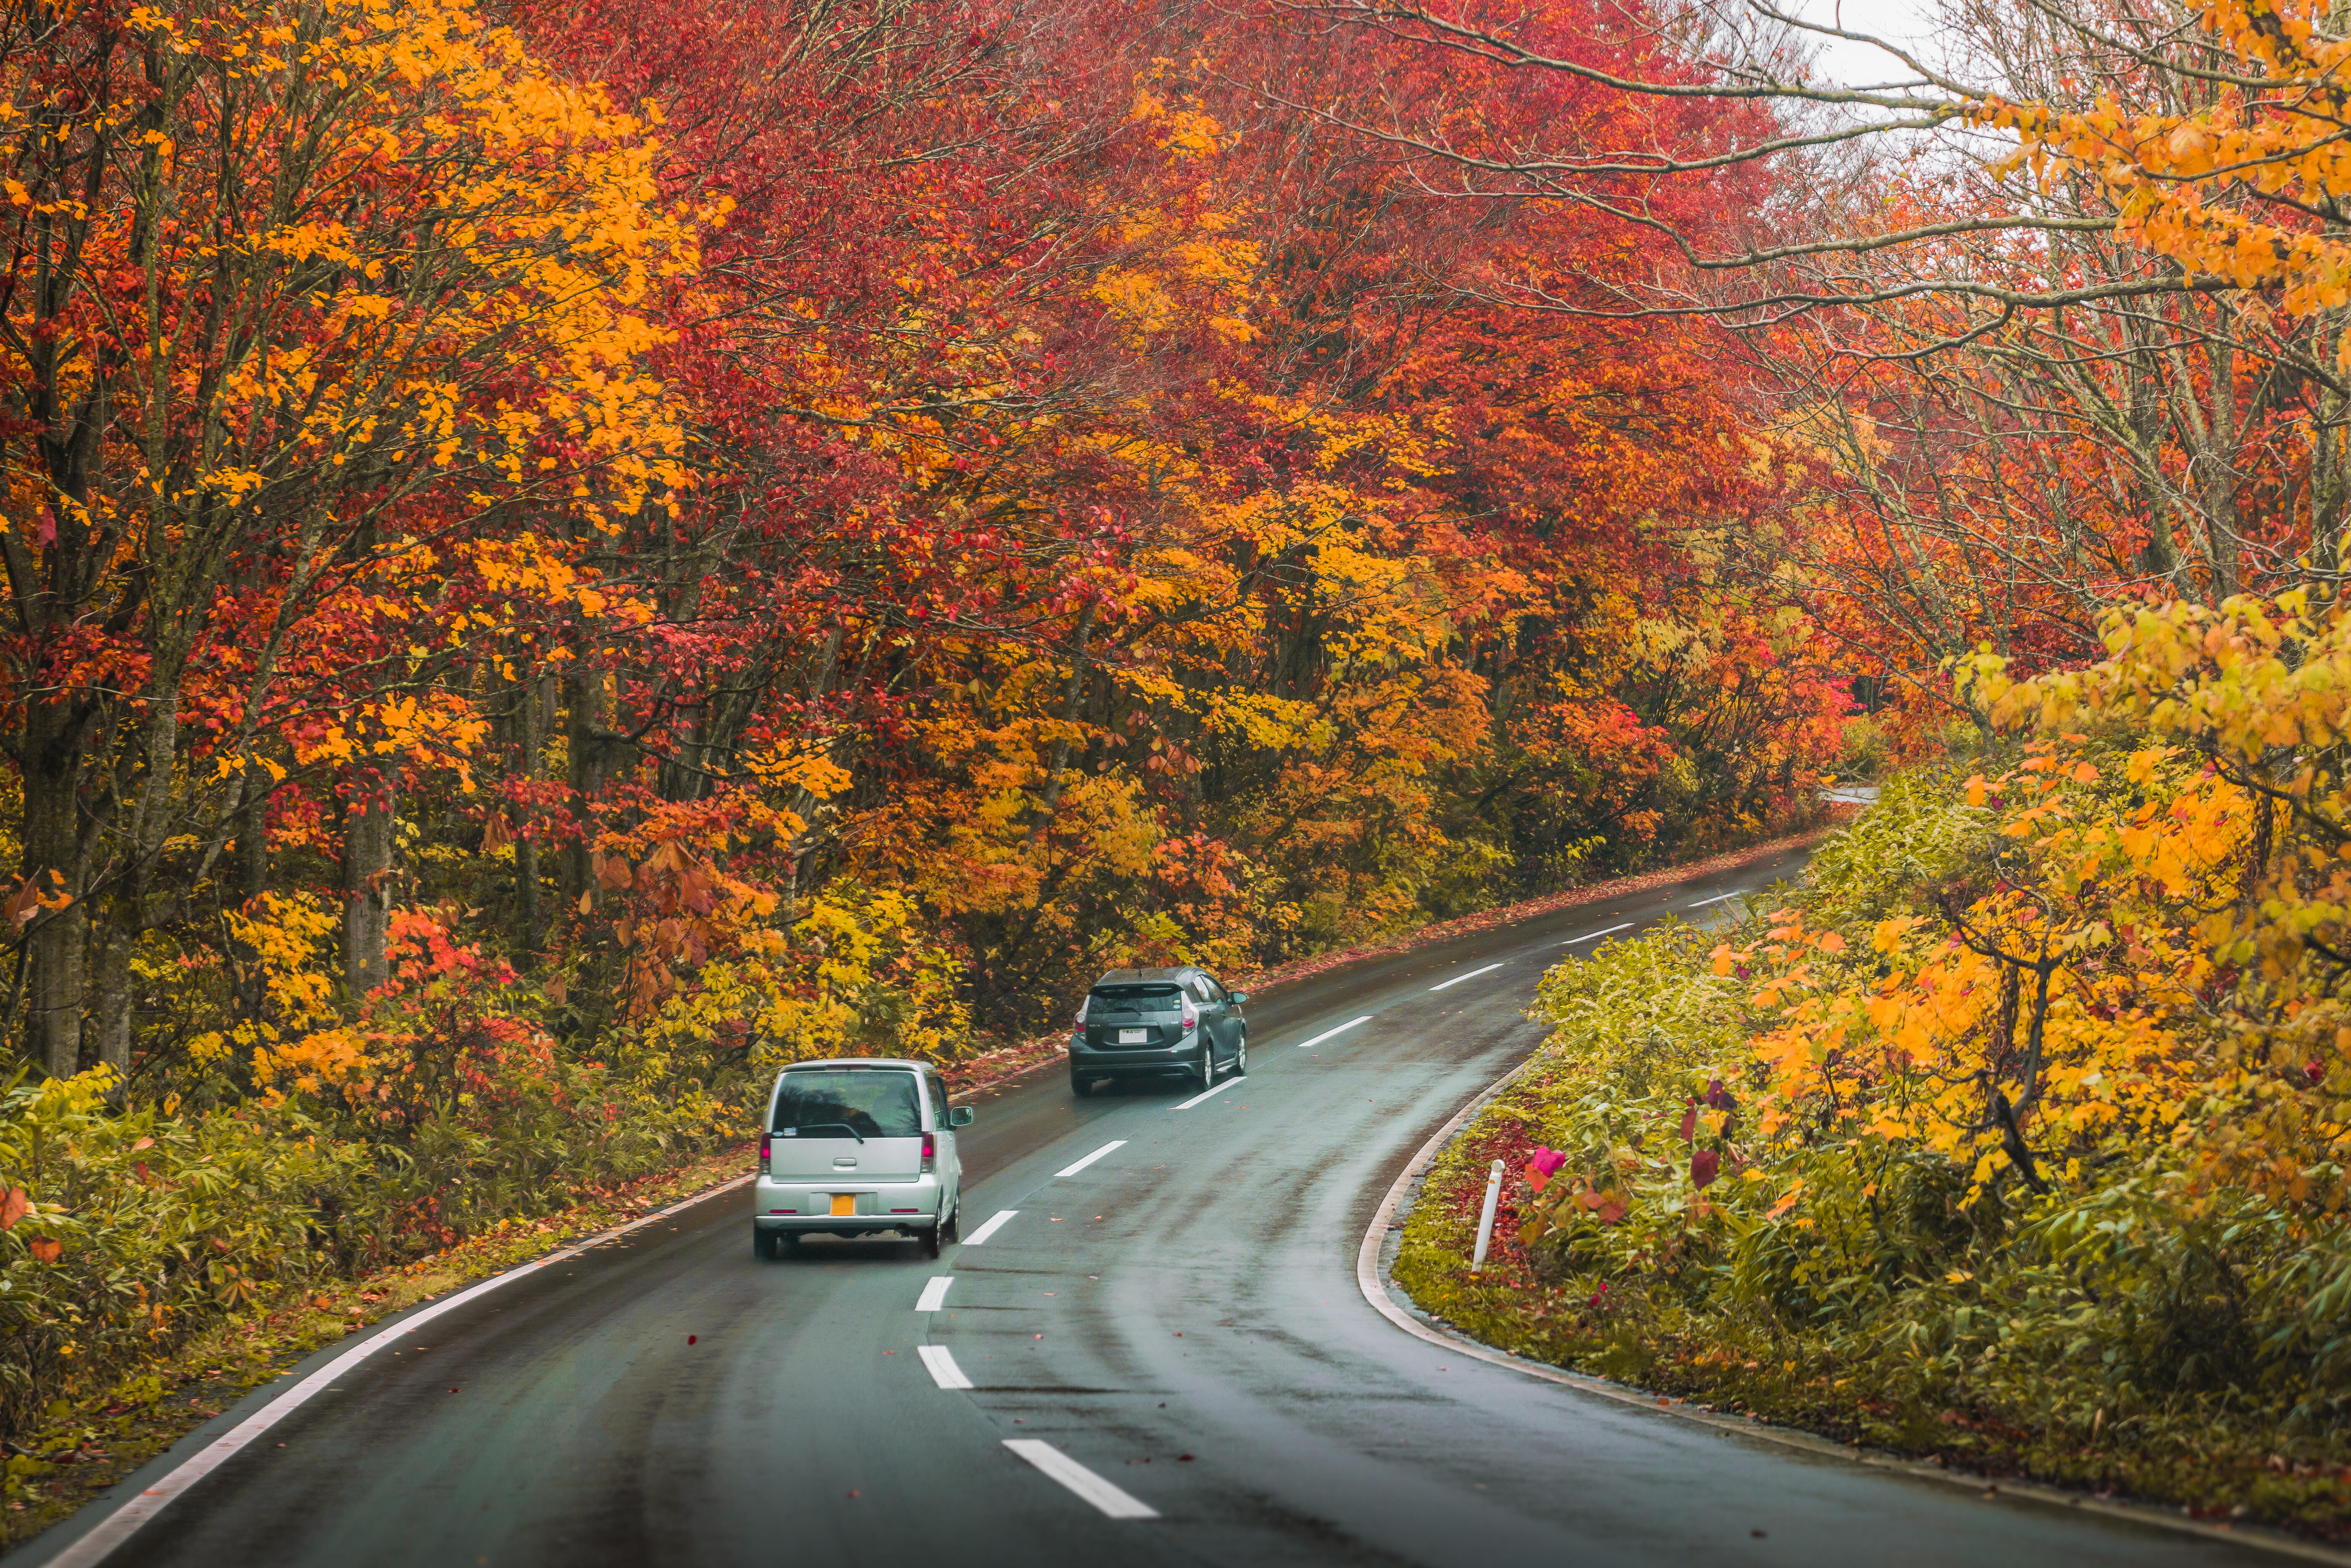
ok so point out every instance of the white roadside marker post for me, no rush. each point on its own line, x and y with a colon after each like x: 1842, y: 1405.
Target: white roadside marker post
x: 1486, y: 1220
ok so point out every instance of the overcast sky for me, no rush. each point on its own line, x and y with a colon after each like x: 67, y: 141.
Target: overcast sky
x: 1856, y: 65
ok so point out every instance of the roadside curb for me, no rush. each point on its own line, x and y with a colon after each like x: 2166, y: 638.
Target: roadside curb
x: 1314, y: 966
x: 1386, y: 1299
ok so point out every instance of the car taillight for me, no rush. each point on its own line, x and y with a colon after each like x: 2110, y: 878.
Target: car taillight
x: 930, y: 1150
x: 1080, y: 1021
x: 1191, y: 1014
x: 766, y: 1148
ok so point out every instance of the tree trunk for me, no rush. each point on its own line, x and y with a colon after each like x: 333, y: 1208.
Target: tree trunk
x: 588, y: 747
x: 112, y: 1012
x: 367, y: 878
x: 57, y: 941
x: 251, y: 872
x: 144, y: 830
x: 530, y: 726
x: 1073, y: 692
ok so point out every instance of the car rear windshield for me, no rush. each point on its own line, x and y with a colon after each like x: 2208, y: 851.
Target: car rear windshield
x: 1135, y: 1000
x: 827, y: 1104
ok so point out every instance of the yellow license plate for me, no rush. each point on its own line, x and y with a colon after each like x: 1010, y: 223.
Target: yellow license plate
x: 844, y: 1202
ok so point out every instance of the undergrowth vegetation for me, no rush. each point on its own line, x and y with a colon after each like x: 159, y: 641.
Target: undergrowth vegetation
x: 444, y: 1106
x: 2015, y: 1135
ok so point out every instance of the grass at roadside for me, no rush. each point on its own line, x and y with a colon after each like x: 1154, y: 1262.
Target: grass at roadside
x: 2125, y: 1332
x: 2221, y: 1469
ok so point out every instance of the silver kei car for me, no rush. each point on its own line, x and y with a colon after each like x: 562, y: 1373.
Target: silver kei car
x: 857, y: 1146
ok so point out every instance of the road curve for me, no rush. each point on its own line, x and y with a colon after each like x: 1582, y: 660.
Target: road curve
x: 1166, y: 1354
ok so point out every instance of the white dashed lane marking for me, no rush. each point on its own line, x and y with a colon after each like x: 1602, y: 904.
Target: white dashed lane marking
x: 934, y: 1294
x: 1718, y: 898
x: 1334, y: 1034
x: 943, y: 1368
x: 1470, y: 976
x: 1114, y: 1501
x: 1073, y: 1170
x: 990, y: 1229
x: 1604, y: 931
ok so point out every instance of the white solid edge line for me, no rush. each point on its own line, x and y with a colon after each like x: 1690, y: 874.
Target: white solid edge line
x: 1373, y: 1286
x: 1333, y: 1033
x: 934, y: 1293
x: 1073, y: 1170
x: 1188, y: 1104
x: 944, y: 1371
x: 1601, y: 932
x: 1718, y: 898
x: 1470, y: 976
x: 123, y: 1522
x: 990, y: 1229
x: 1113, y: 1500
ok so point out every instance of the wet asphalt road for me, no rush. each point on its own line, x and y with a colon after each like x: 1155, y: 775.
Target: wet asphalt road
x: 1180, y: 1318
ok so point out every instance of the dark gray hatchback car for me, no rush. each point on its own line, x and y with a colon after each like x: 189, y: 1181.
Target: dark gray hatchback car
x: 1158, y: 1023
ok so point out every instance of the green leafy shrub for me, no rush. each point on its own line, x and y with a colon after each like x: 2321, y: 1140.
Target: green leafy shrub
x: 2139, y: 1323
x: 127, y: 1229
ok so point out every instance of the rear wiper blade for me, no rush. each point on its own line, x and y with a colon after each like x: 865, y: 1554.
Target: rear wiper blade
x: 844, y: 1126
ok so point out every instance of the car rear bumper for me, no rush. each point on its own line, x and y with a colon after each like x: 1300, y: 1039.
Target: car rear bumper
x: 804, y: 1202
x: 1159, y: 1061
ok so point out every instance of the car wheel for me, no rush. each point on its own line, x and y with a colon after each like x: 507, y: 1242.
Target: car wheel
x: 764, y: 1244
x: 1206, y: 1077
x: 929, y: 1240
x: 1240, y: 1058
x: 952, y: 1231
x: 1079, y: 1086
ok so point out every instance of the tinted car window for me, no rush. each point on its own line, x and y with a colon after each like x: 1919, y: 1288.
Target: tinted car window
x: 938, y: 1102
x: 825, y: 1104
x: 1109, y: 1001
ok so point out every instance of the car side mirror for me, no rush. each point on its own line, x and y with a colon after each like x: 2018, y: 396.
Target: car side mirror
x: 959, y: 1116
x: 1240, y: 997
